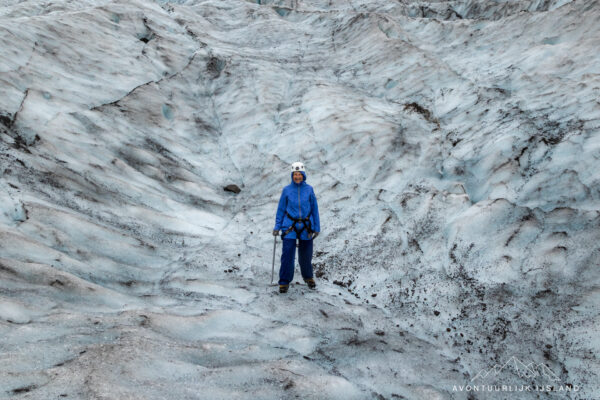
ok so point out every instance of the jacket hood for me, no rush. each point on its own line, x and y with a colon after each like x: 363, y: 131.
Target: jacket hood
x: 292, y: 176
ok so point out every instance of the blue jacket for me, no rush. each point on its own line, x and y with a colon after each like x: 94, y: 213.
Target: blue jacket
x: 299, y: 201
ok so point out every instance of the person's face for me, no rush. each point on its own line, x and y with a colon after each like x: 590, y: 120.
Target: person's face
x: 297, y: 177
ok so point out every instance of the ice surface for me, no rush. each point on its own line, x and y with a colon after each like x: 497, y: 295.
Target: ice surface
x: 453, y: 148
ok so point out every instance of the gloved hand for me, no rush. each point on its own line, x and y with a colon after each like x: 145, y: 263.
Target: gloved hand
x: 314, y: 235
x: 275, y: 233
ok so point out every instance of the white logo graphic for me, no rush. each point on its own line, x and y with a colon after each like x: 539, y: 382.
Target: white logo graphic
x: 522, y: 370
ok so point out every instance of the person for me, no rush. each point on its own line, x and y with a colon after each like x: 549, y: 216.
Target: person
x: 298, y: 219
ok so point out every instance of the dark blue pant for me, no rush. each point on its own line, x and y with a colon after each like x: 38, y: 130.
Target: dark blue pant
x: 286, y: 272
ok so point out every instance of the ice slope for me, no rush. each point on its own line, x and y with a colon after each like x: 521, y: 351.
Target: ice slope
x: 453, y: 147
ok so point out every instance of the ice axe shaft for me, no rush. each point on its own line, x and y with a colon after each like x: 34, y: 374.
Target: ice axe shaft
x: 273, y: 267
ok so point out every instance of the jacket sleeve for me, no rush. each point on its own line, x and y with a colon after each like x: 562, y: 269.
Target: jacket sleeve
x: 280, y: 211
x: 315, y: 212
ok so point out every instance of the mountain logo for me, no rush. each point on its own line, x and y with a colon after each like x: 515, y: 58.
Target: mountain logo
x: 521, y: 369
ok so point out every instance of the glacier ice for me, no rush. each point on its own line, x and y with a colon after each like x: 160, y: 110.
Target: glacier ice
x: 453, y: 147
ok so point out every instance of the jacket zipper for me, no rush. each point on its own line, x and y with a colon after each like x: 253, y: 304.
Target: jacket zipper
x: 299, y: 208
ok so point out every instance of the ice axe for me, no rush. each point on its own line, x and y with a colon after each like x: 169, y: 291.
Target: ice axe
x: 273, y: 267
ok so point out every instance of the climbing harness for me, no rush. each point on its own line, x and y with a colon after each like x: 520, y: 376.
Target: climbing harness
x: 305, y: 226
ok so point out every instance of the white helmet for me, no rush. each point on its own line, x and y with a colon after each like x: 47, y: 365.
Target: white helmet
x: 297, y: 166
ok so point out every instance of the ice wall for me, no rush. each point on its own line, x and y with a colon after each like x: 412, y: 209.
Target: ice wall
x: 453, y: 147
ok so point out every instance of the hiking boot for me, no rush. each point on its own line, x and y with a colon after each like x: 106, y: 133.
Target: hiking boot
x: 283, y: 288
x: 311, y: 283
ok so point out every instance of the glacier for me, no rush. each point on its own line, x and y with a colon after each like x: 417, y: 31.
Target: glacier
x: 453, y: 147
